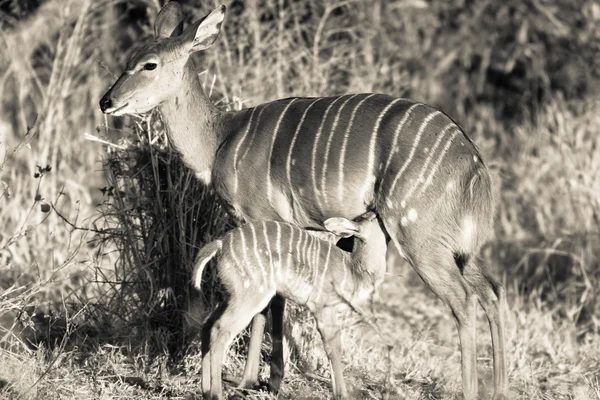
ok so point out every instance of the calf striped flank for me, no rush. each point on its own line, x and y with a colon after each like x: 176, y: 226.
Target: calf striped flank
x: 311, y: 261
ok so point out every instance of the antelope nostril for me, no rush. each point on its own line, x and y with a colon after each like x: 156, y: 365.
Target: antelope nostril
x: 105, y: 103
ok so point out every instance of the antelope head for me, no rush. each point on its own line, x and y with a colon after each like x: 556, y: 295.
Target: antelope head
x: 154, y: 73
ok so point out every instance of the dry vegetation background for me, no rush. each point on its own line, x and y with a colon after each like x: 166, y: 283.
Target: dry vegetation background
x: 96, y: 239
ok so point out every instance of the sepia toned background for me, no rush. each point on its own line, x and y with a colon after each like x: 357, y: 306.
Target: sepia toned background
x: 99, y: 220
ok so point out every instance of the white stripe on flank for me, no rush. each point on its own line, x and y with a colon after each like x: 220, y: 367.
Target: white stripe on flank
x: 313, y: 251
x: 371, y: 161
x: 263, y: 271
x: 413, y: 149
x: 324, y: 272
x: 421, y: 178
x: 237, y: 149
x: 438, y: 162
x: 269, y: 160
x: 290, y: 251
x: 264, y: 224
x: 328, y: 147
x: 289, y: 159
x: 317, y: 259
x: 343, y: 282
x: 307, y: 251
x: 278, y: 246
x: 472, y: 184
x: 254, y: 132
x: 244, y: 264
x: 403, y: 122
x: 344, y: 144
x: 311, y: 254
x: 313, y: 168
x: 232, y: 252
x: 299, y: 249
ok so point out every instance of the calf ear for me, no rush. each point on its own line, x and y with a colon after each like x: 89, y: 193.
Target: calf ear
x: 169, y: 21
x: 341, y: 227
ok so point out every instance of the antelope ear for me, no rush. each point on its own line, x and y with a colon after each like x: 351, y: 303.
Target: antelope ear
x: 369, y: 216
x: 169, y: 21
x: 202, y: 34
x: 341, y: 227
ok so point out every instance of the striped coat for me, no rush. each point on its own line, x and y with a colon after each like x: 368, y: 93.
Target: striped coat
x: 261, y: 259
x: 313, y: 158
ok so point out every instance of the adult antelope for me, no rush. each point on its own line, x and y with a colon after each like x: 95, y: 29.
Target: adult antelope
x: 303, y: 160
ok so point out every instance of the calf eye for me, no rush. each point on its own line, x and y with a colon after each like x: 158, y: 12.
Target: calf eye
x: 149, y: 66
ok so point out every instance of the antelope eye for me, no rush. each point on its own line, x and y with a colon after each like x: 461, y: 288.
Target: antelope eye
x: 149, y: 66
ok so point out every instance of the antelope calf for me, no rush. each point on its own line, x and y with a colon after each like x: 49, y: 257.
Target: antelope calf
x: 324, y: 157
x: 259, y: 260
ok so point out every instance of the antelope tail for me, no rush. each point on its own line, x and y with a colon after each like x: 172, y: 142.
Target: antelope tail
x: 206, y: 253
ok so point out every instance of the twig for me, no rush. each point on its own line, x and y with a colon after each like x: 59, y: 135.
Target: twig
x: 75, y: 227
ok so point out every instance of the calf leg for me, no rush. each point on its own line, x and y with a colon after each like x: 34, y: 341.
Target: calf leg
x: 236, y: 316
x: 206, y: 345
x: 250, y: 377
x: 332, y: 341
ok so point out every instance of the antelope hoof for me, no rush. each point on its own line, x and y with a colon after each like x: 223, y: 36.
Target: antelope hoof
x: 233, y: 381
x: 237, y: 395
x: 247, y: 384
x: 242, y: 383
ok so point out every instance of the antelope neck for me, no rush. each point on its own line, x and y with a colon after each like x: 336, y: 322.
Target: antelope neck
x: 194, y: 124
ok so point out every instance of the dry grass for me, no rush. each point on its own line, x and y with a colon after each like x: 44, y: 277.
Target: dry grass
x: 95, y: 297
